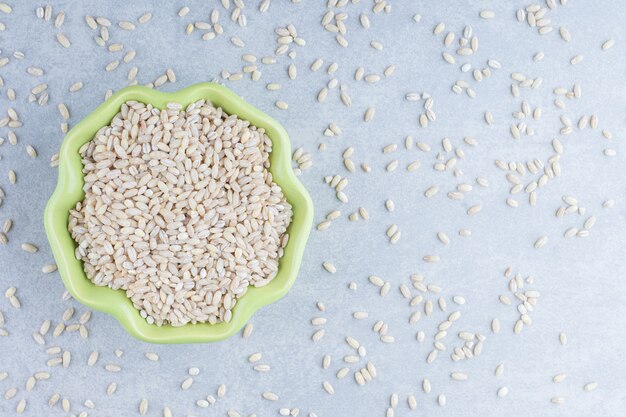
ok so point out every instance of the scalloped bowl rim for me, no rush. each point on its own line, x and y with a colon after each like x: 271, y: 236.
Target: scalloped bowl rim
x: 114, y: 302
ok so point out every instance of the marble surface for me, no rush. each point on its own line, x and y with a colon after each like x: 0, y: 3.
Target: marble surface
x: 579, y: 279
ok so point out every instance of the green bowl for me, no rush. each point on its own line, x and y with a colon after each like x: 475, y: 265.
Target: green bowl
x: 69, y: 191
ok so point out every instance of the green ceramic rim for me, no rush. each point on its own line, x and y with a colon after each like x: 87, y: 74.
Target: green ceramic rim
x: 69, y: 191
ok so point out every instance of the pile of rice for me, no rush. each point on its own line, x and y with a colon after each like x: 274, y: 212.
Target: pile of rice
x: 180, y: 211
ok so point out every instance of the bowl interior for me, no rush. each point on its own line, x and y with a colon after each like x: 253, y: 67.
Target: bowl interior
x: 69, y: 191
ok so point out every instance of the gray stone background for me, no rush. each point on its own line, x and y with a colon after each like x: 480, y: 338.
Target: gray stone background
x: 580, y: 279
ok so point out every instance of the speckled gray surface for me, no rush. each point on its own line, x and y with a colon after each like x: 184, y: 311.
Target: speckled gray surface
x: 580, y: 279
